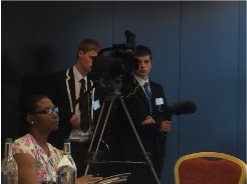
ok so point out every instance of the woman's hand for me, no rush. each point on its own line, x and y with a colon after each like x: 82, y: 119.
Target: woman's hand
x: 87, y: 179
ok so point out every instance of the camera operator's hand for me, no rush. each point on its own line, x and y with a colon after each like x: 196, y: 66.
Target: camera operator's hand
x: 165, y: 126
x: 75, y: 122
x: 148, y: 120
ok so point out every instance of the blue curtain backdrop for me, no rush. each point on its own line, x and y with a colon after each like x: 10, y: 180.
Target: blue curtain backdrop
x: 199, y: 53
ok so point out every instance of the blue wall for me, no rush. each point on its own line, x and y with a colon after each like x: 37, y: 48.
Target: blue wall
x: 199, y: 54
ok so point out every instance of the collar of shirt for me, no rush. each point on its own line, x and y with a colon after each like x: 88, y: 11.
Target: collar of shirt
x: 78, y: 76
x: 140, y: 80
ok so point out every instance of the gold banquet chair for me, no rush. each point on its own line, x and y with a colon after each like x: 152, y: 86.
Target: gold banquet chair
x: 209, y: 168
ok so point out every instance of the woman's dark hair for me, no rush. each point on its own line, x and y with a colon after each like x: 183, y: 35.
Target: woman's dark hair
x: 31, y: 103
x: 29, y: 107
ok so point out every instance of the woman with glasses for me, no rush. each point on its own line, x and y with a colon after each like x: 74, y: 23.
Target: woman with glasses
x: 37, y: 159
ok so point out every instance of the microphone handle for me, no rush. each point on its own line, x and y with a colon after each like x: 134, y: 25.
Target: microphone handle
x: 167, y: 117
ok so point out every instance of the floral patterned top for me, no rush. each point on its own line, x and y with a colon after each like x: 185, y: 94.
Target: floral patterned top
x: 46, y: 166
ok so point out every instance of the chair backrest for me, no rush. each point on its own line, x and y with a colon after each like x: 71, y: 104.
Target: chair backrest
x: 209, y: 168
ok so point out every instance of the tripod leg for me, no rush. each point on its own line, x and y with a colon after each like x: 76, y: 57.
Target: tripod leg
x: 101, y: 134
x: 139, y: 141
x: 97, y: 126
x: 103, y: 130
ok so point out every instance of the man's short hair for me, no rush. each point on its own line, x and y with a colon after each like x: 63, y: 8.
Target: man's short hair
x: 88, y: 45
x: 142, y: 50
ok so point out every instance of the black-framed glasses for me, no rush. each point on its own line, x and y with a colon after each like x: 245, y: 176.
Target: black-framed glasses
x: 48, y: 111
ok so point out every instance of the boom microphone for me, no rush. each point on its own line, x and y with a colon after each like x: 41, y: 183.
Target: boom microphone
x: 185, y: 107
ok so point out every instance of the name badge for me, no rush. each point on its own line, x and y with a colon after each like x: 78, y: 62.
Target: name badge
x: 96, y: 105
x: 159, y: 101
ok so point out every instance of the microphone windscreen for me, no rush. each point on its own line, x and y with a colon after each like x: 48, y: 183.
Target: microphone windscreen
x: 185, y: 107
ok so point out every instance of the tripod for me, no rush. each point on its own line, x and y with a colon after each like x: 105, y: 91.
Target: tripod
x: 106, y: 110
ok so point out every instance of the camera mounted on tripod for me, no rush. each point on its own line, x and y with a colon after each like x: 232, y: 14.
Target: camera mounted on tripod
x: 111, y: 70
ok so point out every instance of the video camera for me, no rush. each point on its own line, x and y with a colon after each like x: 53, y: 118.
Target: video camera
x: 111, y: 70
